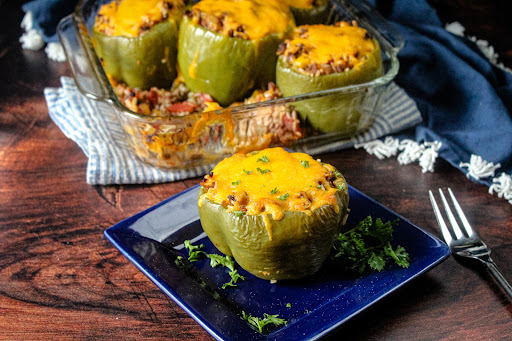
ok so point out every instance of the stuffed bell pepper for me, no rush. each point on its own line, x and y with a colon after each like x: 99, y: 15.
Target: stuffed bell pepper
x: 321, y: 57
x: 227, y: 47
x: 137, y: 41
x: 277, y: 213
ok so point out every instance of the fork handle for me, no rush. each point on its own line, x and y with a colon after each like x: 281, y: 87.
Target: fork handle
x: 499, y: 277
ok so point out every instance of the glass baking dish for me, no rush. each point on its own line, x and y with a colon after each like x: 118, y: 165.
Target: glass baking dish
x: 182, y: 142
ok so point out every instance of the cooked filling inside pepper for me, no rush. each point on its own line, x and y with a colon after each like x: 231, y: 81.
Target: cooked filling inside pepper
x: 245, y: 19
x: 269, y: 125
x: 131, y: 18
x: 322, y: 49
x: 176, y: 101
x: 272, y: 181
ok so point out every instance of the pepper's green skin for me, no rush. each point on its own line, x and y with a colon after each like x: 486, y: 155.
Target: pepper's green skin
x: 332, y: 113
x: 225, y: 67
x: 300, y: 242
x: 144, y: 61
x: 310, y: 16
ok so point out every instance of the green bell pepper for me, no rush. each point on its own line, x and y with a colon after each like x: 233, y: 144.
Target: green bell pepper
x: 307, y: 16
x: 299, y: 245
x: 227, y: 68
x: 144, y: 61
x: 330, y: 113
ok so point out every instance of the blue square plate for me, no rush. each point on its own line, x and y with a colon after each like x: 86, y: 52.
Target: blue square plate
x: 153, y: 239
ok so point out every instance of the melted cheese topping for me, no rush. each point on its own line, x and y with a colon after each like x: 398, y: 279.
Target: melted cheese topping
x: 323, y: 44
x: 129, y: 17
x: 257, y: 18
x: 270, y: 182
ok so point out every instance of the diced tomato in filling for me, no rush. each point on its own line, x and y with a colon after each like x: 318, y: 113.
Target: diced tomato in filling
x: 181, y: 107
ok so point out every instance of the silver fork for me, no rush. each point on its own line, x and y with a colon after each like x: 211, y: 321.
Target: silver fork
x: 470, y: 246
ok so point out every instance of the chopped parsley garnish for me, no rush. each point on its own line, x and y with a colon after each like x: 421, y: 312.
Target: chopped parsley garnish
x: 262, y: 171
x: 195, y: 253
x: 216, y: 260
x: 283, y: 197
x: 263, y: 159
x: 238, y: 213
x: 235, y: 276
x: 368, y: 246
x: 319, y: 186
x: 274, y: 191
x: 261, y: 323
x: 247, y: 172
x: 288, y: 305
x: 236, y: 183
x: 305, y: 164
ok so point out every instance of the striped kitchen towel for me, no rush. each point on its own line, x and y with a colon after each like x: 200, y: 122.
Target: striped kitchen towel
x: 94, y: 127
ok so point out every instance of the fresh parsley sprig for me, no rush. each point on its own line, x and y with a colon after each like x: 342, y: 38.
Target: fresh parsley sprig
x: 283, y: 197
x: 368, y: 246
x: 263, y: 159
x: 196, y: 253
x: 261, y: 323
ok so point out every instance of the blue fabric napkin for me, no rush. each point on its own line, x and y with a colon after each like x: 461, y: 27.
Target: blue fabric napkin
x: 46, y: 14
x: 465, y: 101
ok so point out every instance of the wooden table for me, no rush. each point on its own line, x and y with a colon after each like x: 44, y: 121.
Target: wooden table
x: 61, y: 279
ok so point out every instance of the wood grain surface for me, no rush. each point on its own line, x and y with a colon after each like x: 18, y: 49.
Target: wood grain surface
x: 60, y: 279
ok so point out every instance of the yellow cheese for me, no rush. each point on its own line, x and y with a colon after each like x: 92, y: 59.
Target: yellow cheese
x: 258, y: 17
x: 126, y: 18
x: 271, y: 182
x: 326, y: 44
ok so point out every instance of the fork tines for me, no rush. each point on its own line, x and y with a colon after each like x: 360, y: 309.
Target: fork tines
x: 456, y: 229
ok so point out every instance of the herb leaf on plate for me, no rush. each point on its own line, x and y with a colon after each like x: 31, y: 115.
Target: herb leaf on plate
x: 196, y: 253
x: 368, y: 246
x: 261, y: 323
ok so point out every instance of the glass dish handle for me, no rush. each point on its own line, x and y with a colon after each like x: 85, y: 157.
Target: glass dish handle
x: 87, y: 77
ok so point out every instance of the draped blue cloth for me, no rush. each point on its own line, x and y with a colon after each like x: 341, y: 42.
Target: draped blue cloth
x: 465, y: 101
x: 46, y: 15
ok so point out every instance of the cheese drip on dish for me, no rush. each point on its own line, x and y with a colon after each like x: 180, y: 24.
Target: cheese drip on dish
x: 272, y: 181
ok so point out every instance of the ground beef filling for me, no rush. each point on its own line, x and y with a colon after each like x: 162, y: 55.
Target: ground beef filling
x: 176, y: 101
x: 291, y: 50
x: 218, y: 24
